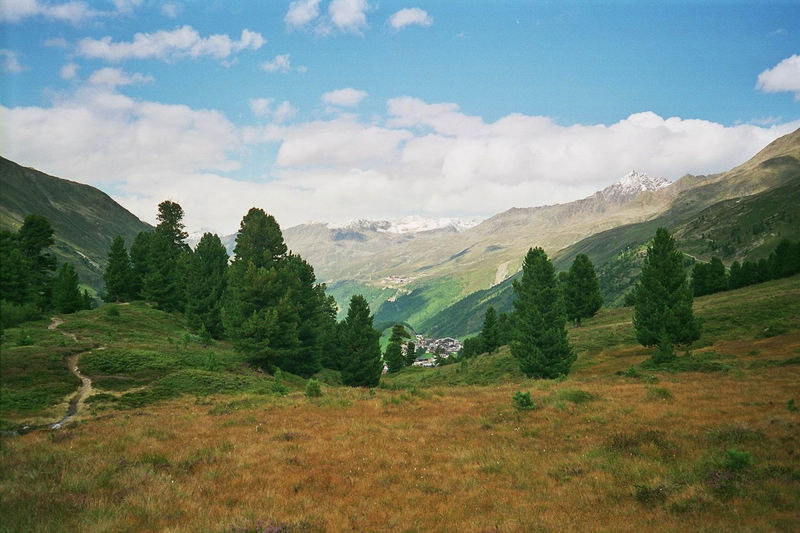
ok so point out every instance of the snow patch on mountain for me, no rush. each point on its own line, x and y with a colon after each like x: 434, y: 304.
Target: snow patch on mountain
x: 409, y: 224
x: 631, y: 185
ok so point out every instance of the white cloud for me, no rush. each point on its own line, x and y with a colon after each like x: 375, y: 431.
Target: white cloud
x: 409, y: 17
x: 10, y: 62
x: 57, y: 42
x: 439, y: 160
x: 69, y: 71
x: 348, y: 97
x: 301, y: 13
x: 73, y: 12
x: 783, y: 77
x: 171, y: 10
x: 279, y: 63
x: 264, y: 107
x: 349, y: 16
x: 114, y: 77
x: 169, y: 45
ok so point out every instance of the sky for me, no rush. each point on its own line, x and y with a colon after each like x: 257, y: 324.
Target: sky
x: 334, y: 110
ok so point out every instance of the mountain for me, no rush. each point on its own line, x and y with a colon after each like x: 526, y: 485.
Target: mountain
x: 84, y: 219
x: 735, y: 215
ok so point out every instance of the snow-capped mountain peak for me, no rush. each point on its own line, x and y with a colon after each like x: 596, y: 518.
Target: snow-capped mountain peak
x: 409, y: 224
x: 631, y: 185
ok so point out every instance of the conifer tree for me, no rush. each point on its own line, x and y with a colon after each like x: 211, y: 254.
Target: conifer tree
x: 394, y: 350
x: 331, y: 351
x: 118, y: 274
x: 256, y: 290
x: 139, y: 254
x: 164, y: 282
x: 539, y: 336
x: 663, y: 298
x: 34, y: 238
x: 14, y: 270
x: 362, y: 364
x: 717, y: 280
x: 205, y: 287
x: 582, y: 291
x: 67, y: 296
x: 411, y: 353
x: 490, y: 332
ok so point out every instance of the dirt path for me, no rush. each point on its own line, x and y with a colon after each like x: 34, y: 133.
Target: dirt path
x: 76, y: 403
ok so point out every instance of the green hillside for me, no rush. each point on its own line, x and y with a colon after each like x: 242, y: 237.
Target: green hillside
x: 84, y: 219
x: 747, y: 227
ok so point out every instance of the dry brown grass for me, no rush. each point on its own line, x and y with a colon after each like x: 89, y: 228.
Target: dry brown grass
x: 447, y: 459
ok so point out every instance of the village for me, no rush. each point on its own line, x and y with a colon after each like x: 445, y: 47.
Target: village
x: 431, y: 349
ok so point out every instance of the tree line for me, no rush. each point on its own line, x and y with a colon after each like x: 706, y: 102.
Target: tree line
x: 31, y: 283
x: 713, y: 277
x: 265, y: 300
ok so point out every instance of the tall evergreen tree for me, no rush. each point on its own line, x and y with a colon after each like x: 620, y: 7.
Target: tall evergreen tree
x: 205, y: 287
x: 67, y: 296
x: 394, y: 350
x: 411, y: 353
x: 118, y: 274
x: 717, y: 280
x: 490, y: 332
x: 331, y: 351
x: 539, y: 336
x: 34, y: 238
x: 735, y: 278
x: 663, y: 298
x: 256, y: 289
x: 167, y: 260
x: 362, y: 363
x: 139, y: 256
x: 14, y: 270
x: 582, y: 291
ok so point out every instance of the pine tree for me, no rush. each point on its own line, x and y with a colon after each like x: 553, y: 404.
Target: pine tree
x: 167, y: 260
x: 717, y: 280
x: 118, y: 274
x: 139, y: 254
x: 736, y: 278
x: 205, y: 287
x: 490, y: 332
x: 539, y: 336
x: 700, y: 272
x: 67, y: 296
x: 411, y: 353
x: 362, y: 362
x: 34, y: 238
x: 394, y: 350
x: 331, y: 351
x: 256, y: 290
x: 583, y: 298
x: 14, y: 270
x: 663, y: 298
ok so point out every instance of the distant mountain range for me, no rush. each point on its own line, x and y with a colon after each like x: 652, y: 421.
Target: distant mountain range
x: 440, y: 275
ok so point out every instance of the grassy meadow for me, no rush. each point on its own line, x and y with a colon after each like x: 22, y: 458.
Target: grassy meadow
x: 178, y: 436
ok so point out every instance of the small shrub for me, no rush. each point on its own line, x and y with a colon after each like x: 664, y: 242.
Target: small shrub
x: 658, y: 393
x: 522, y: 401
x: 112, y: 311
x: 650, y: 495
x: 12, y: 314
x: 211, y: 362
x: 575, y: 396
x: 24, y: 338
x: 279, y: 388
x: 791, y: 406
x: 313, y: 389
x: 736, y: 460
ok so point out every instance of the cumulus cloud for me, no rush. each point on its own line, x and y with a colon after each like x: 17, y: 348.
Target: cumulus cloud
x: 169, y: 45
x: 349, y: 16
x: 348, y: 97
x: 440, y: 160
x: 783, y: 77
x: 73, y: 12
x: 69, y: 71
x: 301, y: 13
x: 279, y: 63
x: 265, y: 107
x: 410, y: 17
x: 10, y: 62
x: 114, y: 77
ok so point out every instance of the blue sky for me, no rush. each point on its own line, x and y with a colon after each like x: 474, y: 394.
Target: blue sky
x: 329, y: 110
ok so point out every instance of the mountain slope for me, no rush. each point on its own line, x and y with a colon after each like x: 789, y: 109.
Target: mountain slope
x: 706, y: 216
x: 84, y: 219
